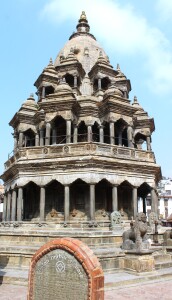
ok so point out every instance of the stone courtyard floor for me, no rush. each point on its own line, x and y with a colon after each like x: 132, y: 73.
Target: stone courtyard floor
x: 155, y: 289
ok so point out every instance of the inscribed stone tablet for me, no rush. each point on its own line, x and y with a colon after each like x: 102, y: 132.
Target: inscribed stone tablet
x: 59, y: 275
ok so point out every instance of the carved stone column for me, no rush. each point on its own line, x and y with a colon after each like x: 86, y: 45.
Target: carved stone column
x: 15, y: 141
x: 42, y: 204
x: 54, y: 135
x: 75, y: 81
x: 9, y: 206
x: 68, y: 131
x: 101, y: 133
x: 154, y: 201
x: 134, y: 201
x: 48, y: 132
x: 41, y: 137
x: 148, y: 141
x: 144, y: 205
x: 36, y: 139
x: 20, y: 139
x: 92, y: 202
x: 99, y: 84
x: 130, y: 136
x: 75, y: 134
x: 66, y: 203
x: 20, y: 204
x: 43, y: 92
x: 89, y: 133
x: 112, y: 133
x: 4, y: 214
x: 14, y: 205
x: 114, y: 198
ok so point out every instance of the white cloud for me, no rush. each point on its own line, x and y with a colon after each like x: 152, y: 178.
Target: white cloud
x: 122, y: 29
x: 165, y: 9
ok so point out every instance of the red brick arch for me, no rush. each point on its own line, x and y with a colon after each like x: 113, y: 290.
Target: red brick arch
x: 84, y: 255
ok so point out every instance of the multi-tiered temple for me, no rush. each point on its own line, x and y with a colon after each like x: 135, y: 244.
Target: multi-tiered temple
x: 82, y: 150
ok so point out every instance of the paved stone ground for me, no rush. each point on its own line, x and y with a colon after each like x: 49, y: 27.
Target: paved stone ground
x: 154, y: 290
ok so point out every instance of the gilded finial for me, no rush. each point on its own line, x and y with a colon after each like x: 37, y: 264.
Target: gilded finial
x: 135, y: 99
x: 83, y: 16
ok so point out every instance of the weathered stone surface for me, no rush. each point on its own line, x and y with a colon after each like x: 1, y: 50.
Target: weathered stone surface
x: 139, y: 263
x: 65, y: 269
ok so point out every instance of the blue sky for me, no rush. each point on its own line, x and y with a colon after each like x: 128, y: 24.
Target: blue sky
x: 135, y: 34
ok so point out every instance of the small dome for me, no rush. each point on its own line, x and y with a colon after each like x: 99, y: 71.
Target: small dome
x: 113, y: 90
x: 63, y: 87
x: 30, y: 101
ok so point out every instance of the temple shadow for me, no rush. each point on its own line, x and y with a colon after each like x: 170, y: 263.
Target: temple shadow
x: 3, y: 264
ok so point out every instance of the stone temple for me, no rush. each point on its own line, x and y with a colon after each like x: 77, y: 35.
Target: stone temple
x: 83, y: 149
x: 82, y: 161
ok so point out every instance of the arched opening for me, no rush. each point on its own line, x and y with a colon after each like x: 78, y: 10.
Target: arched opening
x: 95, y: 132
x: 29, y: 138
x: 31, y: 201
x: 103, y: 199
x: 121, y: 133
x: 82, y: 132
x: 125, y: 198
x: 144, y: 202
x: 49, y: 90
x: 105, y: 83
x: 69, y: 80
x: 106, y: 133
x: 140, y: 141
x: 54, y: 203
x: 79, y: 203
x: 58, y: 131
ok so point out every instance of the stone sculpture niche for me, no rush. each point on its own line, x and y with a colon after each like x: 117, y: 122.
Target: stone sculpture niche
x: 136, y: 237
x: 116, y: 221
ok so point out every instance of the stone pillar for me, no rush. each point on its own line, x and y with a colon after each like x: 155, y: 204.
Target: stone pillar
x: 144, y: 206
x: 41, y: 137
x: 43, y: 92
x: 42, y: 204
x: 134, y: 201
x: 114, y: 198
x: 154, y: 201
x: 120, y: 137
x: 68, y: 131
x: 48, y: 132
x: 112, y: 133
x: 20, y: 204
x: 89, y: 133
x: 54, y: 135
x: 20, y: 139
x: 75, y: 81
x: 101, y: 134
x: 99, y: 84
x: 36, y: 139
x: 15, y: 142
x: 66, y: 203
x: 92, y: 202
x: 4, y: 214
x: 14, y: 205
x: 148, y: 141
x: 75, y: 134
x: 130, y: 136
x: 9, y: 206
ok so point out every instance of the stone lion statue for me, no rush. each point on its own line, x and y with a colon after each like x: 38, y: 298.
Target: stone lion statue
x: 136, y: 237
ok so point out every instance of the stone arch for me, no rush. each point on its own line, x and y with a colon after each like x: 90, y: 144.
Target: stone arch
x: 58, y: 130
x: 125, y: 198
x: 121, y: 132
x: 54, y: 201
x: 49, y: 89
x: 95, y: 132
x: 103, y: 198
x: 69, y: 79
x: 105, y: 81
x: 31, y: 200
x: 140, y: 141
x: 29, y: 138
x: 82, y: 132
x: 79, y: 200
x: 143, y: 190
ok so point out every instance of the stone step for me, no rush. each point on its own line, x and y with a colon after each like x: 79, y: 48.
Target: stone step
x: 14, y: 276
x: 163, y: 264
x: 162, y: 257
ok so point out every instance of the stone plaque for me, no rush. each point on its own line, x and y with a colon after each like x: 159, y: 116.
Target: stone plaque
x: 61, y: 277
x: 65, y: 269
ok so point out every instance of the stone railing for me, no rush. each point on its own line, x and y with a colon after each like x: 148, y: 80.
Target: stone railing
x: 80, y: 149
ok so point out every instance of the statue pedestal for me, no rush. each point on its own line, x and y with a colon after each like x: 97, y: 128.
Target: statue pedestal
x: 139, y: 262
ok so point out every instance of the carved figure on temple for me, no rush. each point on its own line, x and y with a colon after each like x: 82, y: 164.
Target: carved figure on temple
x: 136, y: 237
x: 152, y: 217
x: 116, y: 221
